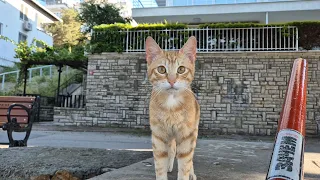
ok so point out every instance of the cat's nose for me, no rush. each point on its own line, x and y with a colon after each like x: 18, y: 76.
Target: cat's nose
x: 172, y: 83
x: 172, y: 79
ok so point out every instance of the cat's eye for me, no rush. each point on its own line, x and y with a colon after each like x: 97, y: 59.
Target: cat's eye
x: 161, y: 69
x: 181, y: 69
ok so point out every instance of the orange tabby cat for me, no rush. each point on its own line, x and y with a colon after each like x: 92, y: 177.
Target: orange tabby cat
x: 174, y: 110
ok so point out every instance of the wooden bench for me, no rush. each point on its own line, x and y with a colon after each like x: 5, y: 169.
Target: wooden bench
x: 17, y: 114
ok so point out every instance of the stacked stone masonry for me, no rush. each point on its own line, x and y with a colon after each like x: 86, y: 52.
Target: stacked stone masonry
x: 239, y: 93
x: 70, y: 117
x: 46, y: 113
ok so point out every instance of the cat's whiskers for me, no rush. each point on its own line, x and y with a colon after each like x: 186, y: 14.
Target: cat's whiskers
x: 188, y: 90
x: 155, y: 92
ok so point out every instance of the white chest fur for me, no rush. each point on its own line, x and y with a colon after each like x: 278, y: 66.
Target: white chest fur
x: 173, y: 101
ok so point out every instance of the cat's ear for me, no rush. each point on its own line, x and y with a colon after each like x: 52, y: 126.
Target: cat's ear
x: 152, y: 49
x: 190, y: 49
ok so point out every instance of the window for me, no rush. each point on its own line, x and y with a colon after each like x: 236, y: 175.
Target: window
x: 40, y: 45
x: 24, y: 13
x: 58, y: 14
x: 40, y: 21
x: 22, y: 37
x: 21, y: 12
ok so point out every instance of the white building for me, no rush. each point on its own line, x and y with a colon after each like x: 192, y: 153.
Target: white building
x: 207, y: 11
x: 21, y: 20
x: 125, y: 7
x: 57, y: 8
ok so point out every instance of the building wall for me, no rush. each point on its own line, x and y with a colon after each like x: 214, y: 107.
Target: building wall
x: 278, y: 11
x: 12, y: 25
x: 239, y: 93
x: 57, y: 9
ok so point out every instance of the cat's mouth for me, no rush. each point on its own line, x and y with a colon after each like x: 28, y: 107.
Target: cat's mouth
x: 172, y: 89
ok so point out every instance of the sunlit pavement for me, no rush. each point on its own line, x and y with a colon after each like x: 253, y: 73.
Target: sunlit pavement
x: 226, y: 160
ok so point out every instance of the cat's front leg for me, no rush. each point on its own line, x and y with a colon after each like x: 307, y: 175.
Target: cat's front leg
x: 172, y: 154
x: 161, y: 156
x: 185, y: 152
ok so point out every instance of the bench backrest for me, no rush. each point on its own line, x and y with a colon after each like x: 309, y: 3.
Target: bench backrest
x: 17, y: 112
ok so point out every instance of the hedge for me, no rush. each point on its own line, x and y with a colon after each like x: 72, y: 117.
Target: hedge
x: 309, y: 33
x: 157, y: 26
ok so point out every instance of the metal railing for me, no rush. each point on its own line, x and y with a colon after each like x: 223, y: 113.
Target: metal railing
x: 144, y: 3
x: 169, y: 3
x: 36, y: 71
x: 71, y: 101
x: 211, y: 39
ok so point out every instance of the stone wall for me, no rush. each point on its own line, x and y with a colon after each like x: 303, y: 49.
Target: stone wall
x: 238, y: 92
x: 70, y: 116
x: 46, y: 113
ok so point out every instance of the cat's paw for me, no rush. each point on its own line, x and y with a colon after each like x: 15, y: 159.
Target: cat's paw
x: 192, y: 177
x: 170, y: 167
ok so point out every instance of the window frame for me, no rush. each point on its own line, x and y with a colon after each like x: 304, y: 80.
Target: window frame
x: 26, y: 14
x: 21, y: 15
x: 1, y: 28
x: 22, y: 35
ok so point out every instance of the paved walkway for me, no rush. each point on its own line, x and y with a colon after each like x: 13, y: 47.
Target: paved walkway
x: 223, y: 160
x: 214, y: 158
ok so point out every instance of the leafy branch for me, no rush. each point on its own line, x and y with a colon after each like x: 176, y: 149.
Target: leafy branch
x: 31, y: 55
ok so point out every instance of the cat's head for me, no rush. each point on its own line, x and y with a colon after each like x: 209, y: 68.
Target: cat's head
x: 172, y: 71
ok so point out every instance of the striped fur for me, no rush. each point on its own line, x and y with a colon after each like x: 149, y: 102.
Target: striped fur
x: 174, y: 111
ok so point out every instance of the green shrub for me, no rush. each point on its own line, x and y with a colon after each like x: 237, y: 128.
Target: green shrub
x: 308, y: 32
x: 144, y: 26
x: 239, y: 25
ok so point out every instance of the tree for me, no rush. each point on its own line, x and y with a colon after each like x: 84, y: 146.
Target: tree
x: 96, y: 12
x: 67, y: 32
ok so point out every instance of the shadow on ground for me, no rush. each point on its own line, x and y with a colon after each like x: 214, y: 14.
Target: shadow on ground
x: 23, y: 163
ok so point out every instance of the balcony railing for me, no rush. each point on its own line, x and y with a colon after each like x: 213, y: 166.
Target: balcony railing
x: 210, y: 40
x: 144, y: 3
x: 164, y: 3
x: 14, y: 75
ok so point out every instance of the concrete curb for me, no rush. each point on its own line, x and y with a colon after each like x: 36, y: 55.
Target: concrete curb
x: 143, y: 170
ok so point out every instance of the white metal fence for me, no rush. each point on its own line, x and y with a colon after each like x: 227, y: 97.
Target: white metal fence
x: 209, y: 39
x: 14, y: 75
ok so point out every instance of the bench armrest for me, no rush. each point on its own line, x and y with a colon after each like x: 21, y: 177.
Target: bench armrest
x: 19, y: 105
